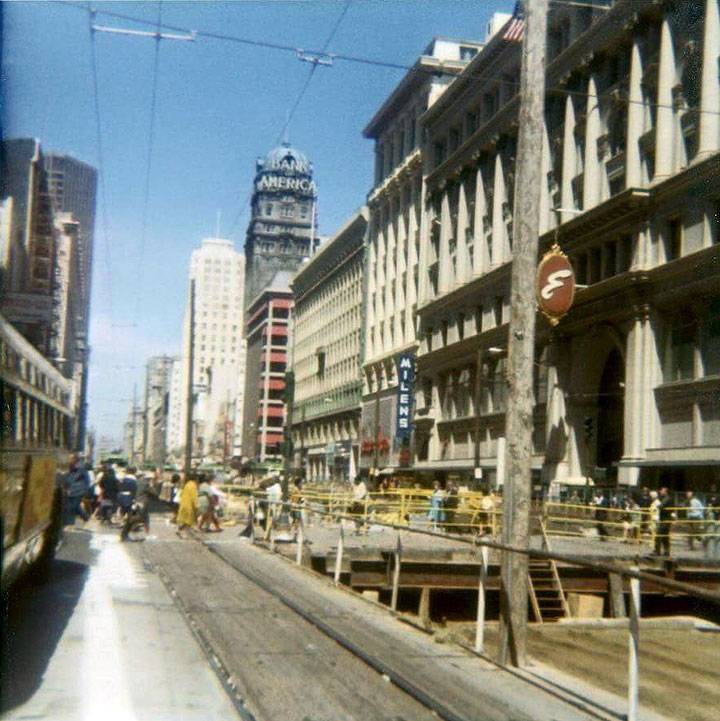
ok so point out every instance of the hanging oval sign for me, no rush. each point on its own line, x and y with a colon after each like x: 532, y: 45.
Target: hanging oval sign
x: 555, y: 285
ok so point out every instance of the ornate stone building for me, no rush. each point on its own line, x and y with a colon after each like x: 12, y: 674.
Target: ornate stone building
x: 282, y: 230
x: 327, y: 329
x: 393, y: 263
x: 627, y: 385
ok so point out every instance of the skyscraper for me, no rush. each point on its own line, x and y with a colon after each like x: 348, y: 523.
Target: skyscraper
x: 73, y: 188
x: 282, y: 231
x: 219, y: 358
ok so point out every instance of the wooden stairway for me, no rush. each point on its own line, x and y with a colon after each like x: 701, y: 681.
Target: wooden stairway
x: 546, y: 592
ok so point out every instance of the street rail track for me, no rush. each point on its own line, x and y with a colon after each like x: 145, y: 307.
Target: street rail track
x: 408, y: 683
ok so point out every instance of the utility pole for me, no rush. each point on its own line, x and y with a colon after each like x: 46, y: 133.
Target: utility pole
x: 521, y: 339
x: 133, y: 422
x: 190, y: 384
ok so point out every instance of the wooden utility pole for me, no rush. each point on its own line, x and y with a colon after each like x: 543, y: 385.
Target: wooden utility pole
x: 521, y: 338
x: 190, y: 384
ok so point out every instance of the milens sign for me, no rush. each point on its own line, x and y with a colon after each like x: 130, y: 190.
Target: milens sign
x: 406, y: 376
x: 283, y: 182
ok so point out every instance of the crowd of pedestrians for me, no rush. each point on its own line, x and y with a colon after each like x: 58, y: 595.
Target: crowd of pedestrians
x: 111, y: 495
x: 656, y: 514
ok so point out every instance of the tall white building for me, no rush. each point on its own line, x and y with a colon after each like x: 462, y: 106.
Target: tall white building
x: 219, y: 359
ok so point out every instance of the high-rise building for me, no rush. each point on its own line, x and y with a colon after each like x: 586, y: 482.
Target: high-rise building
x: 268, y: 340
x: 28, y: 278
x: 394, y: 264
x: 73, y: 187
x: 282, y: 229
x: 175, y: 431
x: 158, y: 372
x: 219, y: 360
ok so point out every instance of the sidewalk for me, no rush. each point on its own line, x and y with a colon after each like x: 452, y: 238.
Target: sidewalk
x: 125, y: 653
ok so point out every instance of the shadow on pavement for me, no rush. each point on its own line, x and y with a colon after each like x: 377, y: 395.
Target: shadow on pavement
x: 35, y: 615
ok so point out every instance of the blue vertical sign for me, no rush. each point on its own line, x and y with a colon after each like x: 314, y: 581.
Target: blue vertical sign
x: 406, y: 377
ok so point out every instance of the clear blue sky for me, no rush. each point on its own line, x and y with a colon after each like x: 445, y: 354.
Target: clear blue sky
x: 219, y: 106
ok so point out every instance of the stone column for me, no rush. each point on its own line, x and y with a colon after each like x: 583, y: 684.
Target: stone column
x: 556, y: 427
x: 499, y: 253
x: 569, y: 159
x: 665, y: 121
x: 635, y: 115
x: 423, y: 282
x: 389, y: 274
x: 444, y: 280
x: 411, y: 297
x: 481, y: 260
x: 400, y: 268
x: 464, y: 271
x: 593, y: 130
x: 710, y: 88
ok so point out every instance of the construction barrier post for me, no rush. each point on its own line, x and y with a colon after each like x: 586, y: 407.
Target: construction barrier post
x: 396, y: 573
x: 300, y: 543
x: 633, y: 647
x: 480, y: 628
x: 339, y: 556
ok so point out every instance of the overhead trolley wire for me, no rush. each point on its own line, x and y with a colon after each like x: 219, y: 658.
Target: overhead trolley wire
x: 439, y: 70
x: 101, y: 166
x: 295, y: 106
x: 148, y: 163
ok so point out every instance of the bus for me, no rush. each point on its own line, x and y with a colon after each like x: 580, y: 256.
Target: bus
x: 35, y: 441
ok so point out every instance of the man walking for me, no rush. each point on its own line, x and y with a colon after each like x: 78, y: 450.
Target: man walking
x: 695, y: 517
x: 77, y: 484
x: 662, y: 537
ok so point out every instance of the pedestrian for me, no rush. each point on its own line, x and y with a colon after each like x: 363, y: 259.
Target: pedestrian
x: 452, y: 501
x: 436, y: 514
x: 644, y: 502
x: 188, y: 508
x: 139, y: 511
x: 109, y: 488
x: 77, y: 484
x: 601, y: 513
x: 175, y: 491
x: 208, y: 501
x: 695, y: 517
x: 127, y: 490
x: 665, y: 518
x: 631, y: 520
x: 359, y: 501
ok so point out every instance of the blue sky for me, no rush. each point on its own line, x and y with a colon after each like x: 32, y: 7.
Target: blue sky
x: 219, y: 106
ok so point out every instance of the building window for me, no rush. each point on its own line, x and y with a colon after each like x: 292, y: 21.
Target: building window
x: 673, y: 239
x: 454, y: 139
x: 444, y: 332
x: 471, y: 123
x: 467, y: 53
x: 710, y: 340
x: 498, y: 310
x: 439, y: 152
x: 680, y: 352
x: 268, y: 209
x: 461, y: 326
x: 479, y: 319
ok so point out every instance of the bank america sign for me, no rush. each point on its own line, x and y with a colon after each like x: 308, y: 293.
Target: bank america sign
x: 406, y: 378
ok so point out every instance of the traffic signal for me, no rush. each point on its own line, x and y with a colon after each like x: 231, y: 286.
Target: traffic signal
x: 589, y: 426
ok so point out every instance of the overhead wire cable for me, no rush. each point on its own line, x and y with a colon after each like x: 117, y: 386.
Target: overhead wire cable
x: 439, y: 70
x: 101, y: 167
x: 296, y: 104
x: 148, y: 163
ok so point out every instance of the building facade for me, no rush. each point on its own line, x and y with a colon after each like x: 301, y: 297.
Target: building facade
x: 219, y: 359
x: 73, y: 187
x: 393, y: 264
x: 627, y: 384
x: 158, y: 377
x: 281, y: 233
x: 268, y: 340
x: 326, y: 357
x: 27, y: 295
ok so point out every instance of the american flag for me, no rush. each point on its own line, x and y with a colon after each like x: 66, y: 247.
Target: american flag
x: 515, y: 26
